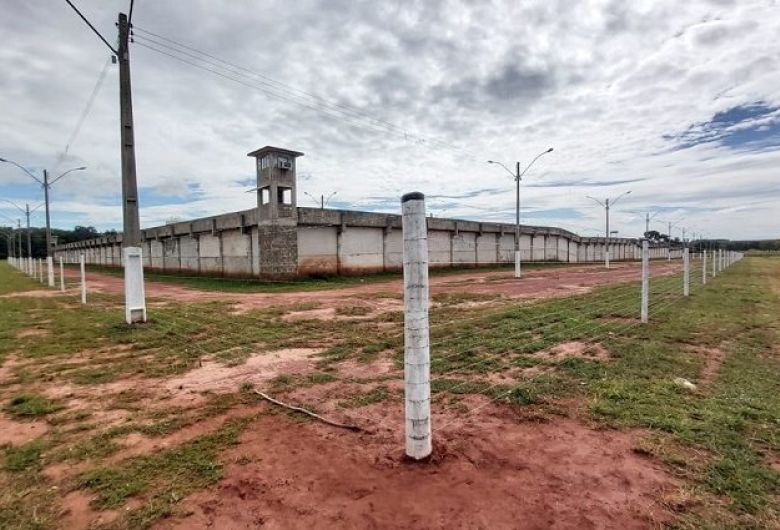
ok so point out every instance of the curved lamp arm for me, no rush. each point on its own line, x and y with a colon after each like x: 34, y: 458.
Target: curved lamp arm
x: 39, y: 181
x: 82, y: 168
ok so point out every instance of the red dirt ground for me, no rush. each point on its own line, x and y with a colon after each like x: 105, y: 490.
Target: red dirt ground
x: 547, y: 283
x: 489, y: 472
x: 492, y: 468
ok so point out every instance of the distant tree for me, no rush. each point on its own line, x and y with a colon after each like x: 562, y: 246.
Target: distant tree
x: 80, y: 233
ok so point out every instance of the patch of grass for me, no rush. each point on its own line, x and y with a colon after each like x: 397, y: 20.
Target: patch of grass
x: 463, y: 298
x: 320, y: 378
x: 162, y: 478
x: 25, y: 457
x: 14, y: 281
x: 362, y: 399
x: 353, y: 310
x: 30, y: 405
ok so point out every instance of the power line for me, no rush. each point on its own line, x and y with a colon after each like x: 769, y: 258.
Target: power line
x: 282, y: 91
x: 85, y: 112
x: 88, y: 23
x: 269, y: 80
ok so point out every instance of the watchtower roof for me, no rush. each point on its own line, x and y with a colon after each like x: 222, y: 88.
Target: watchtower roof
x: 270, y: 149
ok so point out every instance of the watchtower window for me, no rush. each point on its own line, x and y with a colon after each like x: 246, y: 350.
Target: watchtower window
x: 265, y: 195
x: 284, y: 195
x: 264, y: 162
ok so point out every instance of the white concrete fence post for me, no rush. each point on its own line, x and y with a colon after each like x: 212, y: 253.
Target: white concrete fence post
x: 704, y: 267
x: 83, y: 280
x: 686, y: 272
x: 518, y: 264
x: 62, y: 275
x: 645, y: 281
x: 714, y: 263
x: 50, y: 270
x: 40, y: 270
x: 135, y: 296
x: 417, y: 363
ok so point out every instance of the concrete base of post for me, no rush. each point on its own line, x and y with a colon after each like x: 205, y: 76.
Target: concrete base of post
x: 135, y: 296
x: 417, y: 364
x: 62, y: 276
x: 518, y: 265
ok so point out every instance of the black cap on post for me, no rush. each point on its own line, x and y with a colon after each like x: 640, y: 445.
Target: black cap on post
x: 412, y: 196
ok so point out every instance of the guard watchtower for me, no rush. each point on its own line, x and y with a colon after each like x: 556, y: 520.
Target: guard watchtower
x: 277, y: 217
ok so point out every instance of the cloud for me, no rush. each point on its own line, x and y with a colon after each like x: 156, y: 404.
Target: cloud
x: 675, y: 101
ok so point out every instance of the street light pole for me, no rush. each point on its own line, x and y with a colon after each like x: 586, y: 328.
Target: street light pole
x: 29, y: 237
x: 518, y: 176
x: 45, y: 184
x: 48, y: 215
x: 26, y: 211
x: 518, y: 258
x: 322, y: 200
x: 606, y: 206
x: 649, y: 218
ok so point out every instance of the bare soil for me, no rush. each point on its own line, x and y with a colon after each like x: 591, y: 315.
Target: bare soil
x: 492, y: 467
x: 713, y: 358
x: 488, y: 472
x: 260, y: 368
x: 537, y: 284
x: 20, y: 432
x: 567, y: 350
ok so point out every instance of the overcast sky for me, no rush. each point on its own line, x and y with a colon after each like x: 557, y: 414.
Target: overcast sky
x: 678, y: 102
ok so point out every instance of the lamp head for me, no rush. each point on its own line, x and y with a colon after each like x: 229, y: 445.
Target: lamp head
x: 3, y: 160
x: 550, y: 150
x: 82, y: 168
x: 490, y: 162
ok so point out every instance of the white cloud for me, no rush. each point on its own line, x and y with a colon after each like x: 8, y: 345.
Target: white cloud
x: 603, y: 82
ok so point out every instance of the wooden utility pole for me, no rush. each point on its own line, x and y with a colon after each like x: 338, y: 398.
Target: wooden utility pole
x: 131, y: 236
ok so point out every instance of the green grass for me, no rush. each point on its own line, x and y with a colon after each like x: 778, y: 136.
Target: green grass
x: 162, y: 478
x: 719, y: 438
x: 353, y: 310
x: 30, y: 405
x: 363, y: 399
x: 16, y: 281
x: 24, y: 457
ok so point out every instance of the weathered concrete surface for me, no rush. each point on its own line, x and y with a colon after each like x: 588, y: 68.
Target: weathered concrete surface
x: 325, y: 241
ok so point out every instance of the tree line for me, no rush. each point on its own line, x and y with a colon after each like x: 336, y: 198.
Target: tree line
x: 38, y: 239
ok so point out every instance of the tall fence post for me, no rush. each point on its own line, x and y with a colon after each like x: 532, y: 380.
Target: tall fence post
x: 135, y: 297
x: 686, y: 272
x: 62, y: 275
x: 704, y: 267
x: 714, y: 263
x: 83, y: 279
x: 40, y: 270
x: 50, y: 270
x: 417, y: 363
x: 645, y: 280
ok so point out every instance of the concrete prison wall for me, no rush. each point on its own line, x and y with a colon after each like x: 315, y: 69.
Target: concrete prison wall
x: 344, y: 242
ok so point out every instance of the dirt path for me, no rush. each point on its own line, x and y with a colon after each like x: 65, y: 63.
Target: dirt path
x: 488, y: 473
x: 546, y: 283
